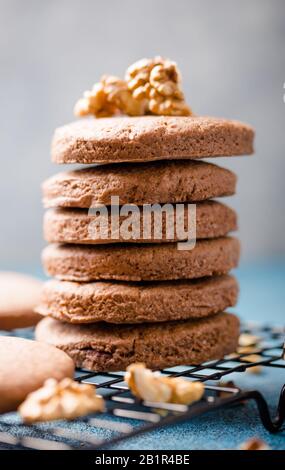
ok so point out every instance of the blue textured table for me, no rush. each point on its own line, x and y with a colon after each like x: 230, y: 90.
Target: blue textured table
x: 262, y: 299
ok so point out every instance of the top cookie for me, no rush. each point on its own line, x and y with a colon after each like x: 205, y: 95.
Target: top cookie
x: 140, y: 139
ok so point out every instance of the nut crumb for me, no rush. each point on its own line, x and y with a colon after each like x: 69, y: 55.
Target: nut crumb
x: 248, y: 343
x: 253, y: 358
x: 254, y: 444
x: 228, y: 384
x: 153, y: 387
x: 66, y: 399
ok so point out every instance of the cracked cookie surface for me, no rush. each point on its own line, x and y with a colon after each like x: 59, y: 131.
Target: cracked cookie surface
x: 121, y: 302
x: 147, y: 138
x: 104, y: 347
x: 143, y: 183
x: 141, y: 262
x: 212, y: 218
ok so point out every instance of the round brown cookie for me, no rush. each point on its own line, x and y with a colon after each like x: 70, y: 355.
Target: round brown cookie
x: 144, y: 183
x: 19, y: 294
x: 107, y: 347
x: 213, y: 220
x: 137, y: 303
x: 139, y: 139
x: 136, y: 262
x: 25, y: 365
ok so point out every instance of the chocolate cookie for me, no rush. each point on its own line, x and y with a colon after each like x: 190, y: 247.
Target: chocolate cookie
x: 115, y: 302
x: 19, y: 294
x: 137, y: 262
x: 106, y: 347
x: 213, y: 219
x: 25, y: 365
x: 143, y: 183
x: 139, y: 139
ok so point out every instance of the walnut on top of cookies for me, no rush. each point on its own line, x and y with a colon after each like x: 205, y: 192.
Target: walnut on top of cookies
x: 151, y: 86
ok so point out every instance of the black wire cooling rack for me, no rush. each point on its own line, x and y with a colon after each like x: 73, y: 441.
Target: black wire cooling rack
x: 137, y: 417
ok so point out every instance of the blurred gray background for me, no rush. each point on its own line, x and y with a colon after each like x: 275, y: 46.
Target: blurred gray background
x: 232, y: 59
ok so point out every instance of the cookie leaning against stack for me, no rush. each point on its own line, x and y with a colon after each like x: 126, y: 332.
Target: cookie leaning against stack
x: 176, y: 318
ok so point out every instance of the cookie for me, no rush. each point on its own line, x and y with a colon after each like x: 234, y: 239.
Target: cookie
x: 25, y: 365
x: 141, y: 139
x: 114, y: 302
x: 213, y: 219
x: 19, y: 294
x: 144, y: 183
x: 137, y: 262
x: 106, y: 347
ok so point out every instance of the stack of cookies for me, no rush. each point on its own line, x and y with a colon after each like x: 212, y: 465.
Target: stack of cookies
x: 114, y: 301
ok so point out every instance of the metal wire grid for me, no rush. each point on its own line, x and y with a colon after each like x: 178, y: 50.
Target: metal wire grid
x: 137, y: 417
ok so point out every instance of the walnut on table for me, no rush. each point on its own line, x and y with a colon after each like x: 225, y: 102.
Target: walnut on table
x: 254, y: 444
x: 66, y: 399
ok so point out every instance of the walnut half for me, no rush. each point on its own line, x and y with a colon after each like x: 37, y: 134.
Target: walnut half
x: 153, y: 387
x: 66, y: 399
x: 158, y: 81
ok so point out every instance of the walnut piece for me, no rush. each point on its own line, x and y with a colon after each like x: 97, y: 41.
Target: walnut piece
x: 254, y: 444
x: 109, y: 97
x: 153, y: 387
x: 95, y: 102
x: 248, y: 344
x: 247, y: 339
x: 253, y: 358
x: 151, y: 86
x: 158, y: 81
x: 119, y: 95
x: 66, y: 399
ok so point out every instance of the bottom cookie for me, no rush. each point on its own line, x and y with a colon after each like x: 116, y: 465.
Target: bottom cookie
x: 106, y: 347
